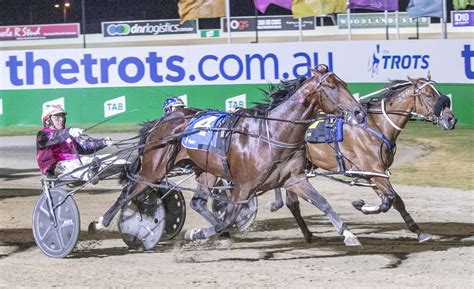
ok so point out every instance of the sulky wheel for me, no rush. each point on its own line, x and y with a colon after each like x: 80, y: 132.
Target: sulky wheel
x: 142, y: 221
x: 175, y: 208
x: 247, y: 214
x: 56, y: 241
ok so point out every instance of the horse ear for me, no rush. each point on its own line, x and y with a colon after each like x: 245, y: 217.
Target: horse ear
x: 429, y: 75
x: 323, y: 68
x: 314, y: 72
x: 411, y: 79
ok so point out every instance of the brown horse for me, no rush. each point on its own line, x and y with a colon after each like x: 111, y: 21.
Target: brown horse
x: 368, y: 152
x: 266, y: 151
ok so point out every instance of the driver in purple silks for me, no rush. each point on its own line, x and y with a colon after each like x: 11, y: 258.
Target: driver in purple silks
x: 59, y: 149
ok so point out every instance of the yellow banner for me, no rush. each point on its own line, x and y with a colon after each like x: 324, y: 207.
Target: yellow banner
x: 194, y: 9
x: 305, y: 8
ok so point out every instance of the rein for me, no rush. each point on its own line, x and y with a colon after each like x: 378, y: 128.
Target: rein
x: 416, y: 94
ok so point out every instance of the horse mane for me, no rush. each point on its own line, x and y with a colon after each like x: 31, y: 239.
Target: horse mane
x: 145, y: 128
x: 275, y: 94
x: 391, y: 88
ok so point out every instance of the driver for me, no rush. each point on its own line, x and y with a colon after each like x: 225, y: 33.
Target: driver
x: 58, y: 148
x: 173, y: 103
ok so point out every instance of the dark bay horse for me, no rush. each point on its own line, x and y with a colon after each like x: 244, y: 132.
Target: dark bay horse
x: 266, y: 151
x: 369, y: 153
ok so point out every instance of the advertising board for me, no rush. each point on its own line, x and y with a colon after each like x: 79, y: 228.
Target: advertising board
x: 117, y: 80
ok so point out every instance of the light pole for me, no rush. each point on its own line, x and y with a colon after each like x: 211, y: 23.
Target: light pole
x: 65, y: 6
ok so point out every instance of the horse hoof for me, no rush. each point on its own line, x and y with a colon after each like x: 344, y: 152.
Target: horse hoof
x: 92, y: 229
x: 423, y: 237
x: 95, y: 227
x: 350, y: 239
x: 272, y: 206
x: 358, y: 204
x: 189, y: 235
x: 352, y: 242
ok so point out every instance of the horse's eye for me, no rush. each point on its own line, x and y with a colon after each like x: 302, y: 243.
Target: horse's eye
x: 332, y: 86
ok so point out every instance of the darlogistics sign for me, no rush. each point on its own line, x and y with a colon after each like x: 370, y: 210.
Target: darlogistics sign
x: 267, y: 23
x: 377, y: 20
x: 35, y: 32
x: 153, y: 27
x: 133, y: 82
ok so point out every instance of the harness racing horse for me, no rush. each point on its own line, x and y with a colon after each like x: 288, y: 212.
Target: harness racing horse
x: 368, y: 152
x: 265, y: 152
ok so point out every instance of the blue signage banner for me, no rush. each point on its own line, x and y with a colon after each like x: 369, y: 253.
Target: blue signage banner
x: 462, y: 18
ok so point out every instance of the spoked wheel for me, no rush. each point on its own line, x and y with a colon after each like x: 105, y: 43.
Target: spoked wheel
x: 175, y: 208
x: 56, y: 241
x: 142, y: 221
x: 246, y: 216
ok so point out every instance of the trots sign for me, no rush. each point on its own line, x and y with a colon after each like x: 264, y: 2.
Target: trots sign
x: 35, y: 32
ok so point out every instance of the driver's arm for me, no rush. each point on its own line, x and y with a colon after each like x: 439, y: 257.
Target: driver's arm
x: 45, y: 138
x: 87, y: 145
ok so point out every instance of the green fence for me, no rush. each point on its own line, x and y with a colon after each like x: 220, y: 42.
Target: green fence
x: 92, y: 105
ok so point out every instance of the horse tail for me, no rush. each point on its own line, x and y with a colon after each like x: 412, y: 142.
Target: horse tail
x: 130, y: 169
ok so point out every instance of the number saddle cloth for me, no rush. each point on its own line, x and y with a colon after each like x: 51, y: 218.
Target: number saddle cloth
x: 211, y: 131
x: 327, y: 130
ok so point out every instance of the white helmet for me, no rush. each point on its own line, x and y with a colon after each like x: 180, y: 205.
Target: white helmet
x: 52, y: 110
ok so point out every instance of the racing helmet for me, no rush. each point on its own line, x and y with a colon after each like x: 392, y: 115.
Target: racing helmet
x: 172, y: 103
x: 51, y: 110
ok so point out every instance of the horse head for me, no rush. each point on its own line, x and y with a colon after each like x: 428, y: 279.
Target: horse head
x: 431, y: 104
x: 333, y: 96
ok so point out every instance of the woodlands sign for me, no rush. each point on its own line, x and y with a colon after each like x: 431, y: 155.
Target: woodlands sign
x: 377, y: 20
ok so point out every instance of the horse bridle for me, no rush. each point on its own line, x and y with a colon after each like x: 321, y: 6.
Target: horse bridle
x: 437, y: 110
x: 319, y: 84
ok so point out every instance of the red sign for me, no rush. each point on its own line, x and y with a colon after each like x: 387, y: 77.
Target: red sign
x: 33, y: 32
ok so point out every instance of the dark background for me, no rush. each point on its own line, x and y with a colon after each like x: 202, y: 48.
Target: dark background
x: 20, y: 12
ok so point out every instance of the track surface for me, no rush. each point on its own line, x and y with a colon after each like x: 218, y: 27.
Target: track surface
x: 272, y: 254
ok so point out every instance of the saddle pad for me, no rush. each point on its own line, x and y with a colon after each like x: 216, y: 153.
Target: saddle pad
x: 327, y: 130
x: 199, y: 133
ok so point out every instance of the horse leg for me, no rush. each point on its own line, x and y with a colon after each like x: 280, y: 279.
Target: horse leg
x: 381, y: 185
x: 122, y: 200
x: 384, y: 189
x: 199, y: 200
x: 305, y: 190
x: 151, y: 171
x: 294, y: 205
x: 278, y: 203
x: 232, y: 212
x: 399, y: 205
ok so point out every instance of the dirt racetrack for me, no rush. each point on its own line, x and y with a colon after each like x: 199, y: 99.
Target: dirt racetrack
x: 272, y: 254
